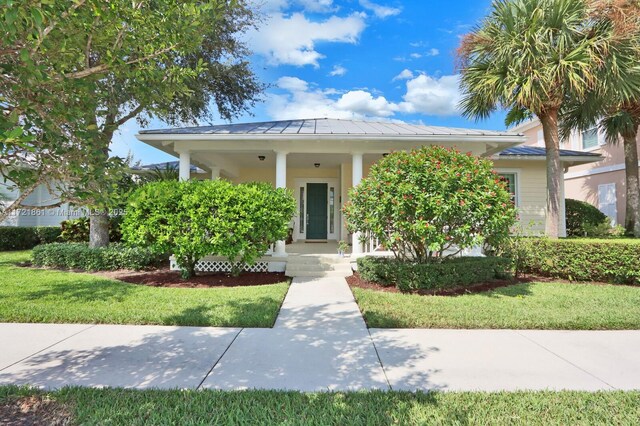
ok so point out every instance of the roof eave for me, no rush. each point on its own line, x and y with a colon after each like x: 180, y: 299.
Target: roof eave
x: 159, y: 137
x: 564, y: 158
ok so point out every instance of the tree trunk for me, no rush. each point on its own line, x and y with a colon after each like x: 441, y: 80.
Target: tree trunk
x: 99, y: 219
x: 632, y: 216
x: 98, y: 229
x: 554, y: 169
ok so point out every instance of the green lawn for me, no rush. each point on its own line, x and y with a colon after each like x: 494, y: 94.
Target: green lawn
x: 33, y: 295
x: 155, y: 407
x: 521, y: 306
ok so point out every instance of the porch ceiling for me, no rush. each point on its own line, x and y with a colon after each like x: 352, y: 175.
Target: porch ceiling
x: 294, y: 160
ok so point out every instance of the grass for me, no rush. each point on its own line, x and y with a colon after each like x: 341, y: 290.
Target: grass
x: 34, y: 295
x: 521, y: 306
x: 157, y: 407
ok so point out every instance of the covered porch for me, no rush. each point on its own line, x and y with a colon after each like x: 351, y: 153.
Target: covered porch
x: 319, y: 160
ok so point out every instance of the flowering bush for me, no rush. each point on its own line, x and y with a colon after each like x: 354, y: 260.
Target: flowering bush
x: 422, y: 203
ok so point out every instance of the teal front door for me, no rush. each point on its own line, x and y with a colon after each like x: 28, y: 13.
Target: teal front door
x: 317, y: 211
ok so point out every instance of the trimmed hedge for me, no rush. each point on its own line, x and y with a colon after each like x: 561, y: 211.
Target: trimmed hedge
x: 80, y: 256
x: 613, y: 261
x: 450, y: 273
x: 583, y: 217
x: 25, y: 238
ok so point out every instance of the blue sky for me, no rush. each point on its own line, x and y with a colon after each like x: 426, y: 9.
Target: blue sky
x: 362, y: 59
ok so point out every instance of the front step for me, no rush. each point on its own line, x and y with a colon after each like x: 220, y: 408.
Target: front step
x: 318, y: 266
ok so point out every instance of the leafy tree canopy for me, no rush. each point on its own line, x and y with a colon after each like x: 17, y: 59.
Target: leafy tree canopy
x: 74, y: 71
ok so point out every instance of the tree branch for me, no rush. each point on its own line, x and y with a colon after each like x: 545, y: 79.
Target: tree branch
x: 134, y: 112
x: 105, y: 67
x: 53, y: 24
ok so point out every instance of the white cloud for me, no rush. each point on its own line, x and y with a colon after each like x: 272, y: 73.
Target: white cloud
x: 364, y: 104
x: 337, y: 71
x: 416, y: 55
x: 433, y: 52
x: 291, y: 40
x: 432, y: 95
x: 302, y: 101
x: 424, y: 95
x: 321, y: 6
x: 378, y: 10
x: 405, y: 74
x: 292, y: 84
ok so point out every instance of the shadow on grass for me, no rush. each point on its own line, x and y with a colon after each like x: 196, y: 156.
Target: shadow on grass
x: 81, y: 290
x: 257, y: 313
x: 514, y: 290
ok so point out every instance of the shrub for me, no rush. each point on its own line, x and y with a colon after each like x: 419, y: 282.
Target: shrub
x: 421, y: 203
x: 615, y: 261
x: 584, y: 219
x: 25, y: 238
x: 193, y: 219
x: 80, y: 256
x: 77, y: 230
x: 451, y: 272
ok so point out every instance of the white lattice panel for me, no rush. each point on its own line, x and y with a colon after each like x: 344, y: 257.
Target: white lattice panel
x: 224, y: 266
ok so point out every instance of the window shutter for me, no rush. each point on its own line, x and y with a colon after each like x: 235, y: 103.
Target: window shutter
x: 607, y: 201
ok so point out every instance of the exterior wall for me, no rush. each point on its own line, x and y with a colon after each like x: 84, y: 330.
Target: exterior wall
x: 582, y: 181
x: 531, y: 185
x: 41, y: 196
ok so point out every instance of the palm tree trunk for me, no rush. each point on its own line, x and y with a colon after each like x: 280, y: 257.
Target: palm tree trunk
x: 554, y: 168
x: 632, y: 216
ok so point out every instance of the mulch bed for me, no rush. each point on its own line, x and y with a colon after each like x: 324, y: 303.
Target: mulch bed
x: 356, y: 281
x: 167, y: 278
x: 34, y: 410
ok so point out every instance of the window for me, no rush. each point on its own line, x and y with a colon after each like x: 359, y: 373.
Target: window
x: 302, y: 218
x: 332, y: 209
x: 511, y: 181
x: 607, y: 201
x: 540, y: 138
x: 590, y: 138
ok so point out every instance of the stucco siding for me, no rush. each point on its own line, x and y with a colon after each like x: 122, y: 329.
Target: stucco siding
x: 586, y: 189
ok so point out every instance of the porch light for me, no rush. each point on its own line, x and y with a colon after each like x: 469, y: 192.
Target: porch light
x: 261, y: 157
x: 316, y: 165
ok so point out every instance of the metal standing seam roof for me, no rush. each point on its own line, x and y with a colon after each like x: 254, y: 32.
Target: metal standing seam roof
x: 327, y: 126
x: 535, y: 151
x: 164, y: 166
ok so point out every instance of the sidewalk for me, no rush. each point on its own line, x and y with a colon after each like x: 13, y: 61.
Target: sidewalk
x: 319, y: 342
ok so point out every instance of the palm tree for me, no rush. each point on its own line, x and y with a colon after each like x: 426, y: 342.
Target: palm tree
x: 529, y: 56
x: 614, y: 104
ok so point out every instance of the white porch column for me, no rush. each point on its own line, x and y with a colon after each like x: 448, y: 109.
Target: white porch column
x: 281, y: 182
x: 215, y: 173
x: 562, y: 226
x: 185, y: 165
x: 356, y: 158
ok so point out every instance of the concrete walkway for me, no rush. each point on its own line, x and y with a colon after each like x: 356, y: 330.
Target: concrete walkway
x: 319, y: 342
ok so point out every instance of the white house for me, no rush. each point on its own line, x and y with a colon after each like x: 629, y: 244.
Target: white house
x: 320, y: 159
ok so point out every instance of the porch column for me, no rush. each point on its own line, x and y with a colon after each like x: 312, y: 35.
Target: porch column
x: 281, y: 182
x: 215, y: 173
x: 185, y: 165
x: 356, y: 158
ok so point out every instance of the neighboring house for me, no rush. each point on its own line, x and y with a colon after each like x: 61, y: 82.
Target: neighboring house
x: 26, y: 216
x: 601, y: 183
x: 321, y: 159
